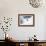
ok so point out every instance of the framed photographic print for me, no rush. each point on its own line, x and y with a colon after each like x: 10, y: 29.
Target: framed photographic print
x: 26, y: 19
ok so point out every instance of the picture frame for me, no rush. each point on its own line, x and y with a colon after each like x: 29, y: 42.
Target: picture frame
x: 26, y: 20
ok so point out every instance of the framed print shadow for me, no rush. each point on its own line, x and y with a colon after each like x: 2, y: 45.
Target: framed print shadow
x: 26, y: 20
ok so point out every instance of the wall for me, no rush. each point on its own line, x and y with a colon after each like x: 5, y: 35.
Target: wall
x: 11, y: 8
